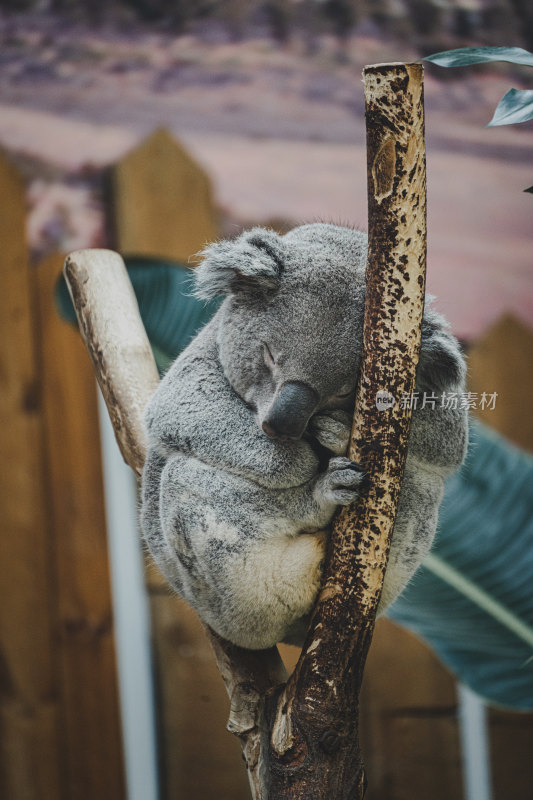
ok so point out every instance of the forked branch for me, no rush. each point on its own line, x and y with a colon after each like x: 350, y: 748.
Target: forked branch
x: 300, y: 737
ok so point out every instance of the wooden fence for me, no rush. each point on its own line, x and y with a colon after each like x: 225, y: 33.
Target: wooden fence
x: 59, y: 722
x: 59, y: 716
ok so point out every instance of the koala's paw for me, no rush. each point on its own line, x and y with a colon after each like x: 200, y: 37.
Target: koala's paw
x: 340, y: 483
x: 332, y: 430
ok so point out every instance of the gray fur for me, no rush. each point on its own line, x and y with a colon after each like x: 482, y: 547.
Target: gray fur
x: 237, y: 521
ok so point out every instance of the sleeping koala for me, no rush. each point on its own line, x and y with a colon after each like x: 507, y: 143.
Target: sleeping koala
x: 249, y: 428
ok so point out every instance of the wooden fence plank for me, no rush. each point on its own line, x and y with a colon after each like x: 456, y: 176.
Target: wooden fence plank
x: 502, y: 361
x: 199, y: 758
x: 409, y: 730
x: 93, y: 758
x: 511, y: 742
x: 30, y: 749
x: 162, y: 201
x: 426, y: 753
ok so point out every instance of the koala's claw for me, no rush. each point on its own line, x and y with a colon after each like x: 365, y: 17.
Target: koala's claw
x: 332, y: 430
x: 340, y: 483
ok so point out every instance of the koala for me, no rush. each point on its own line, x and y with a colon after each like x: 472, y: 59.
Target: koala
x: 249, y: 428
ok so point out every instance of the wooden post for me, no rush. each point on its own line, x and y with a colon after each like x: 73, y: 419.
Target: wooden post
x: 300, y: 738
x: 30, y: 712
x: 408, y: 719
x: 162, y: 201
x: 59, y: 722
x: 84, y: 642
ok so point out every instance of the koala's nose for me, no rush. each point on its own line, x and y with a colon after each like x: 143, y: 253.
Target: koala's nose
x: 288, y: 417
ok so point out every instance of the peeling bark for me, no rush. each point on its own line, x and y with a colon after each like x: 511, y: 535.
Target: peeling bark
x: 300, y: 737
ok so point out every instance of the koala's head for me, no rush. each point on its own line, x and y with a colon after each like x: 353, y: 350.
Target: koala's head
x: 291, y: 326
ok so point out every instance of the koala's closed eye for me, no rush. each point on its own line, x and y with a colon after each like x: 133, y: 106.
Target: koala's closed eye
x: 346, y: 395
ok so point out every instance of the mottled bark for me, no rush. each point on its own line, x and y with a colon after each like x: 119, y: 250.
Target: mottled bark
x: 300, y: 738
x: 314, y: 749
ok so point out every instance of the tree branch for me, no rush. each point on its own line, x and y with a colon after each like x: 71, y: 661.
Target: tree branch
x: 314, y: 750
x: 300, y: 738
x: 114, y: 335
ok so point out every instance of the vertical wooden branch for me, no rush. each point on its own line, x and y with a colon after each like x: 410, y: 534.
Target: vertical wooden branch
x: 300, y: 738
x: 314, y: 749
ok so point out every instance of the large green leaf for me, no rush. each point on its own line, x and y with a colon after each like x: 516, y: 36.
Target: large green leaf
x: 515, y: 106
x: 171, y: 315
x: 465, y: 56
x: 472, y: 600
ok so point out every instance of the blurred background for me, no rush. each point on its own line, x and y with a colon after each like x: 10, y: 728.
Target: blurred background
x: 153, y: 126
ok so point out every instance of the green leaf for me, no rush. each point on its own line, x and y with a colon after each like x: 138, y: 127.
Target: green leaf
x: 530, y: 190
x: 471, y: 601
x: 515, y: 106
x: 465, y: 56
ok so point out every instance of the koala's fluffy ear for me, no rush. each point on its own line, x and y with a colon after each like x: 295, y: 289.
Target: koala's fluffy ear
x: 251, y: 264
